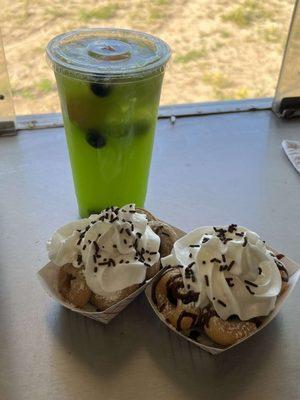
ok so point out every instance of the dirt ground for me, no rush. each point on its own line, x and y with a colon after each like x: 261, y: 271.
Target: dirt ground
x: 221, y: 49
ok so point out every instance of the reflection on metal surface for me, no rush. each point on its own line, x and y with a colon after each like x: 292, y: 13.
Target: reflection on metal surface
x: 7, y: 113
x: 286, y: 103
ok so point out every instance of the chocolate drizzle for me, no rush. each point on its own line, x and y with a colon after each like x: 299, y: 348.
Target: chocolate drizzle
x: 185, y: 314
x: 205, y: 316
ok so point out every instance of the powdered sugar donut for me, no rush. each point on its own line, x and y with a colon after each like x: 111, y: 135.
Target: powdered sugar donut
x: 72, y: 286
x: 174, y: 302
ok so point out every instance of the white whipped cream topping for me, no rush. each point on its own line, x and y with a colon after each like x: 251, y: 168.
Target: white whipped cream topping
x: 229, y: 267
x: 115, y: 248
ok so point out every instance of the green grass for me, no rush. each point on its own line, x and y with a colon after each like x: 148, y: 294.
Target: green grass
x: 55, y: 12
x: 217, y: 80
x: 224, y: 34
x: 45, y: 86
x: 192, y: 55
x: 156, y: 14
x: 105, y: 12
x: 26, y: 93
x: 241, y: 93
x: 272, y: 35
x: 161, y: 2
x: 244, y: 15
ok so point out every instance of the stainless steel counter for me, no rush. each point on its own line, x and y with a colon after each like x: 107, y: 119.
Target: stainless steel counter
x: 206, y: 170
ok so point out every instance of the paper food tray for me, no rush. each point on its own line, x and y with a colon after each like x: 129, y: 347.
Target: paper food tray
x: 203, y: 341
x: 48, y: 276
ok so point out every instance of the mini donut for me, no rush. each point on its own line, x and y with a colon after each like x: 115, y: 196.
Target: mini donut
x: 176, y: 304
x: 152, y: 270
x: 167, y: 237
x: 228, y: 332
x: 148, y: 214
x: 72, y: 286
x: 103, y: 302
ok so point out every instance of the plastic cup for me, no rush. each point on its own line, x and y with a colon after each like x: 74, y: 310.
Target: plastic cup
x: 109, y: 83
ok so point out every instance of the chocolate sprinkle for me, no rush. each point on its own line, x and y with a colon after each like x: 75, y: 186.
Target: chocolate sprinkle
x: 229, y: 282
x: 94, y: 258
x: 125, y: 241
x: 251, y: 283
x: 223, y: 258
x: 249, y: 290
x: 84, y: 247
x: 128, y: 231
x: 215, y: 260
x: 230, y: 265
x: 95, y: 269
x: 204, y: 240
x: 96, y: 246
x: 194, y: 245
x: 245, y: 241
x: 203, y: 262
x: 111, y: 263
x: 280, y: 256
x: 190, y: 255
x: 206, y: 280
x: 232, y: 228
x: 241, y: 234
x: 259, y: 270
x: 191, y: 264
x: 222, y: 303
x: 79, y: 259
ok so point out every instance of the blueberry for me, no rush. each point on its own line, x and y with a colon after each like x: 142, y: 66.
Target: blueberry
x: 142, y: 126
x: 95, y: 139
x: 100, y: 89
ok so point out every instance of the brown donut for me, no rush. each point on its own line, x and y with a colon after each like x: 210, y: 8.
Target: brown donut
x: 72, y: 286
x: 228, y: 332
x: 167, y: 237
x: 148, y: 214
x: 151, y: 271
x: 103, y: 302
x: 175, y: 303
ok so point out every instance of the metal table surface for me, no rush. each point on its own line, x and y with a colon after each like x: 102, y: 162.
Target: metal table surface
x: 205, y: 170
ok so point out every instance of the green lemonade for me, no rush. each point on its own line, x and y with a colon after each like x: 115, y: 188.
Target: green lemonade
x: 109, y: 83
x: 110, y: 130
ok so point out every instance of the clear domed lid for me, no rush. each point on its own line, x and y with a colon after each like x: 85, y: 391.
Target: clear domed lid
x: 96, y: 54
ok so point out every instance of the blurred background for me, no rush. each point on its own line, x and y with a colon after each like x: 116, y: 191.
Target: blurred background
x: 222, y: 49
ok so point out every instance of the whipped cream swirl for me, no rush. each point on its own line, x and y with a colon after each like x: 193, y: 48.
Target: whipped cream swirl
x: 115, y: 248
x: 229, y: 267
